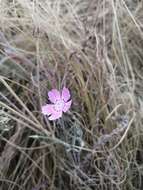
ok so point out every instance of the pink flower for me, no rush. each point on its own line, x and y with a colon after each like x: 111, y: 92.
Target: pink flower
x: 61, y: 103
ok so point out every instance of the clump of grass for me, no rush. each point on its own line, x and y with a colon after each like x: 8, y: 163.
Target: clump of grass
x: 95, y: 49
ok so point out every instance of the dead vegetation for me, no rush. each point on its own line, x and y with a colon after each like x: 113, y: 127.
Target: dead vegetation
x: 94, y: 47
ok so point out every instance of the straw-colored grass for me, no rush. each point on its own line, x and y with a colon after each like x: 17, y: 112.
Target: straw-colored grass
x: 95, y: 48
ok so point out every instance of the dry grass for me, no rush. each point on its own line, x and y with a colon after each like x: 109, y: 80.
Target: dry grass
x: 94, y: 47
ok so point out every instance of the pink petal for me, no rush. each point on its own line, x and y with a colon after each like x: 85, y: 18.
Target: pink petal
x: 47, y: 109
x: 54, y: 95
x: 67, y: 106
x: 55, y: 115
x: 65, y: 94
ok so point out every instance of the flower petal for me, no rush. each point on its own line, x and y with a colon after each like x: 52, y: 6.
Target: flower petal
x: 67, y: 106
x: 47, y: 109
x: 66, y: 94
x: 55, y: 115
x: 54, y: 95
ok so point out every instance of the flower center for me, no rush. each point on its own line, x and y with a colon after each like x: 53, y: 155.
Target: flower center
x: 59, y: 105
